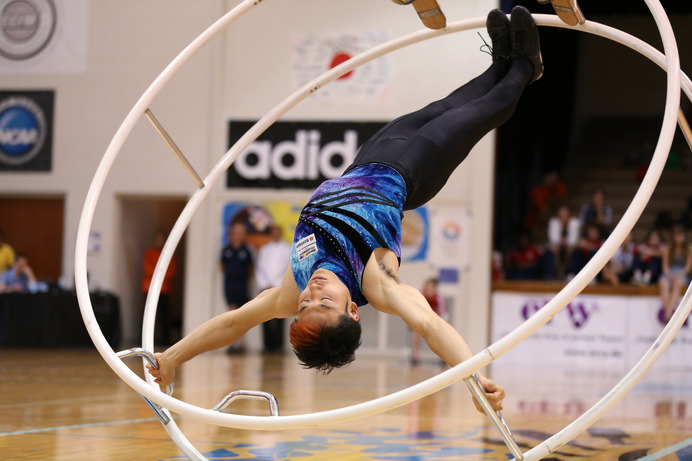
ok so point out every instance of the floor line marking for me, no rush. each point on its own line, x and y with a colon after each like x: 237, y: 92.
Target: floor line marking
x: 79, y: 426
x: 70, y: 400
x: 666, y: 451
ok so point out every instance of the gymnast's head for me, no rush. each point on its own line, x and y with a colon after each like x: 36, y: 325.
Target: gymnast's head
x: 326, y: 332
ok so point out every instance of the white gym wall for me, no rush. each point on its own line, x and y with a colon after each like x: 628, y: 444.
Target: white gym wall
x: 241, y: 74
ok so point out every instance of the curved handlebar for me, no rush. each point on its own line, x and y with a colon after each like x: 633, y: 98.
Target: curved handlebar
x: 273, y: 404
x: 149, y: 357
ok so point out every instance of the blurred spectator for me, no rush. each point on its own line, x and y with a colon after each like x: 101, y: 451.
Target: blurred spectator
x: 542, y: 195
x: 675, y: 270
x: 588, y: 245
x: 438, y: 304
x: 686, y: 160
x: 563, y: 237
x: 644, y: 157
x: 237, y: 266
x: 496, y: 267
x: 272, y: 262
x: 647, y: 262
x: 597, y: 212
x: 18, y: 278
x: 686, y: 215
x: 620, y: 267
x: 6, y: 255
x: 525, y: 261
x: 664, y: 220
x: 163, y: 310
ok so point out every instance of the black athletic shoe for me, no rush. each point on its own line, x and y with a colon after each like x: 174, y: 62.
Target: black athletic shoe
x: 525, y: 41
x: 498, y: 30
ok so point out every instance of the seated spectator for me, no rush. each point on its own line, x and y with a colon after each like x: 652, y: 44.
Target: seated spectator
x: 6, y: 255
x: 620, y: 267
x: 563, y: 236
x: 645, y: 154
x: 497, y: 271
x: 525, y: 261
x: 686, y: 215
x: 18, y: 278
x: 597, y: 212
x: 588, y: 245
x: 541, y: 196
x: 647, y: 262
x: 675, y: 270
x: 664, y: 220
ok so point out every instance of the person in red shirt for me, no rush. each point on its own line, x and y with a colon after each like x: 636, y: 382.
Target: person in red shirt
x: 525, y: 261
x: 163, y: 311
x: 541, y: 197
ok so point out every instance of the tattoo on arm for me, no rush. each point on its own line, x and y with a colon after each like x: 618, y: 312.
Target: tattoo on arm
x: 388, y: 271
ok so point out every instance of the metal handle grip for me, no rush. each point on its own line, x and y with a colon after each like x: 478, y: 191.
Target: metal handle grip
x: 495, y: 416
x: 163, y: 416
x: 149, y: 357
x: 253, y: 395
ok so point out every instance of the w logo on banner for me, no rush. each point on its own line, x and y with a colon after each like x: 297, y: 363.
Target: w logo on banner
x: 661, y: 316
x: 578, y: 311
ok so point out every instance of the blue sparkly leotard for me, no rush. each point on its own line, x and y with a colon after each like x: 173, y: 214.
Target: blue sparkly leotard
x: 344, y: 221
x: 401, y: 168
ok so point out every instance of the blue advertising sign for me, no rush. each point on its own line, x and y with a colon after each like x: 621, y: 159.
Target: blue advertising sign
x: 26, y: 127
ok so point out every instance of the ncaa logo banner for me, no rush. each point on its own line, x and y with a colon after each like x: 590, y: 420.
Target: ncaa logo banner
x: 297, y: 155
x: 26, y: 130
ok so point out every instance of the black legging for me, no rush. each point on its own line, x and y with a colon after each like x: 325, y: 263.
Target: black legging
x: 426, y: 146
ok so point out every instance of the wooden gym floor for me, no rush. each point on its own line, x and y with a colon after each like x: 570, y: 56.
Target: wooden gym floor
x: 67, y: 405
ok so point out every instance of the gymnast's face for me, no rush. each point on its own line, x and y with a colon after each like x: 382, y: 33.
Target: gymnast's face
x: 325, y: 299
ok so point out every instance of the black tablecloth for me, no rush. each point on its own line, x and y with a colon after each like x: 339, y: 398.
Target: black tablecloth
x: 54, y: 319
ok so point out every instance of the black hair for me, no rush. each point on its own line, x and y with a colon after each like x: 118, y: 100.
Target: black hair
x: 325, y: 347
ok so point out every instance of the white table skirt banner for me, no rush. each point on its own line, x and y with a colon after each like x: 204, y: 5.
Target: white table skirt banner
x: 593, y: 330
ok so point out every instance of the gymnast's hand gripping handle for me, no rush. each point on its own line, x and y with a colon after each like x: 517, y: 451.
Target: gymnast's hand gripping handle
x: 149, y: 357
x: 495, y: 416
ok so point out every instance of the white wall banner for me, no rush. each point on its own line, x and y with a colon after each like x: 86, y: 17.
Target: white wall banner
x: 645, y: 322
x: 314, y: 54
x: 43, y: 36
x: 592, y: 331
x: 450, y: 232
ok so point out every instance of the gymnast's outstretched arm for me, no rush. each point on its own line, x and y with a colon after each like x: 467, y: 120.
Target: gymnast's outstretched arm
x: 224, y: 329
x: 387, y: 294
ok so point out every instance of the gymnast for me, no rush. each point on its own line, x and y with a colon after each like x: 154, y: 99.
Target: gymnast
x: 346, y: 247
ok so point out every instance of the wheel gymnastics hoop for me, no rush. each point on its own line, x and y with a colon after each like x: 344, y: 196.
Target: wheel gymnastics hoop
x: 669, y: 62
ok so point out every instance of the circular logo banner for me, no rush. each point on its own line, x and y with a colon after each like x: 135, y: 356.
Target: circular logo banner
x: 22, y: 130
x: 26, y: 27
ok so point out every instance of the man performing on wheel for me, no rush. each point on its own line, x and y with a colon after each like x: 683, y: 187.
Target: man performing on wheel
x: 347, y: 243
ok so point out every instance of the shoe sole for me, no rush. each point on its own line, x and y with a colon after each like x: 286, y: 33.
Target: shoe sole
x: 430, y: 13
x: 567, y: 10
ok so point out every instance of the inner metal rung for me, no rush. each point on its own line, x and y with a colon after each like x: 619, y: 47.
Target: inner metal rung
x: 171, y: 144
x: 243, y: 394
x: 495, y: 416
